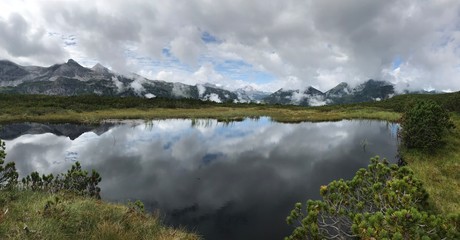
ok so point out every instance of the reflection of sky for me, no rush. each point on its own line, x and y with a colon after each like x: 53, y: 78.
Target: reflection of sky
x: 235, y: 181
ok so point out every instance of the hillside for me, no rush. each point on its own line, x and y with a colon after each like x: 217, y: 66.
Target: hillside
x: 438, y: 170
x: 72, y: 79
x: 369, y: 91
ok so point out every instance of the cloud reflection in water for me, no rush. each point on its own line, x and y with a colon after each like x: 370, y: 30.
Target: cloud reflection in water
x: 236, y: 181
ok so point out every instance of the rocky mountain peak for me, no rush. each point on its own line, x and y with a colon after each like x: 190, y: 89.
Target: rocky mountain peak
x: 6, y: 62
x: 10, y: 71
x: 342, y: 85
x: 340, y: 90
x: 248, y: 88
x: 72, y: 62
x: 71, y: 78
x: 313, y: 91
x: 99, y: 68
x: 71, y: 69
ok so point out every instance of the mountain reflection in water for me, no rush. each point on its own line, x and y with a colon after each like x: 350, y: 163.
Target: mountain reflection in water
x: 224, y: 181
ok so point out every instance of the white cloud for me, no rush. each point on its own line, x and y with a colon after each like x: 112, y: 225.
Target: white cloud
x: 213, y: 97
x: 188, y: 45
x: 299, y: 43
x: 205, y: 74
x: 20, y: 40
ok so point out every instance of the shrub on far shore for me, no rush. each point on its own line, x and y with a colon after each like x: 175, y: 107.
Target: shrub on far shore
x: 424, y: 124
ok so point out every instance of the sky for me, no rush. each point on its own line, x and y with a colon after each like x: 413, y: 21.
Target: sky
x: 268, y: 45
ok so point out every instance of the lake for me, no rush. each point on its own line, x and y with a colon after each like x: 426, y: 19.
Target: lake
x: 234, y: 180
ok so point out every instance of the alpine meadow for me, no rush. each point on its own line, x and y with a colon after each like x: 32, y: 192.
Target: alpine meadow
x: 282, y: 119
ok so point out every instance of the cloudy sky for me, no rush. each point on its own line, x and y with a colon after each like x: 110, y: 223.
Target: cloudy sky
x: 234, y: 43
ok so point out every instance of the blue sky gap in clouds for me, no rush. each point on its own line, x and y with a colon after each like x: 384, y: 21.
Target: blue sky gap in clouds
x: 208, y: 38
x: 244, y: 71
x: 397, y: 62
x: 231, y: 69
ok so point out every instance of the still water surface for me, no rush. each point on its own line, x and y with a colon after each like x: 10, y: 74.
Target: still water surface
x: 224, y: 181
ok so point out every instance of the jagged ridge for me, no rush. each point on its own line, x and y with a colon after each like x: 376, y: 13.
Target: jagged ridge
x: 71, y: 78
x: 371, y: 90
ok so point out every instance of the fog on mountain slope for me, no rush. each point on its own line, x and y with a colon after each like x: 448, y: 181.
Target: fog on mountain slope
x: 71, y: 78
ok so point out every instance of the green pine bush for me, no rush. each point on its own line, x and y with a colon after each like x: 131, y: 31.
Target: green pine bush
x: 383, y: 201
x: 424, y: 124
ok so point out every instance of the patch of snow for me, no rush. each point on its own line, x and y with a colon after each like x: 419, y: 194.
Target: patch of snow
x: 149, y: 95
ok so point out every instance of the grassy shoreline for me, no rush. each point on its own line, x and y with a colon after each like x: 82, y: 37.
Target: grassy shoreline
x: 26, y: 214
x: 94, y: 109
x: 438, y: 170
x: 219, y: 113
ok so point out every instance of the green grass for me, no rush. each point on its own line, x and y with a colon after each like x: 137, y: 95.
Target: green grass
x: 440, y: 171
x: 23, y: 215
x: 219, y: 113
x: 94, y: 109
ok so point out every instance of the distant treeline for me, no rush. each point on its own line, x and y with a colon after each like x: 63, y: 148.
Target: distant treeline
x: 450, y: 101
x: 43, y: 104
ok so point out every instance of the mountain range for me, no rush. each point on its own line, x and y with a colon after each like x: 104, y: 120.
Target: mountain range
x: 371, y: 90
x: 71, y: 78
